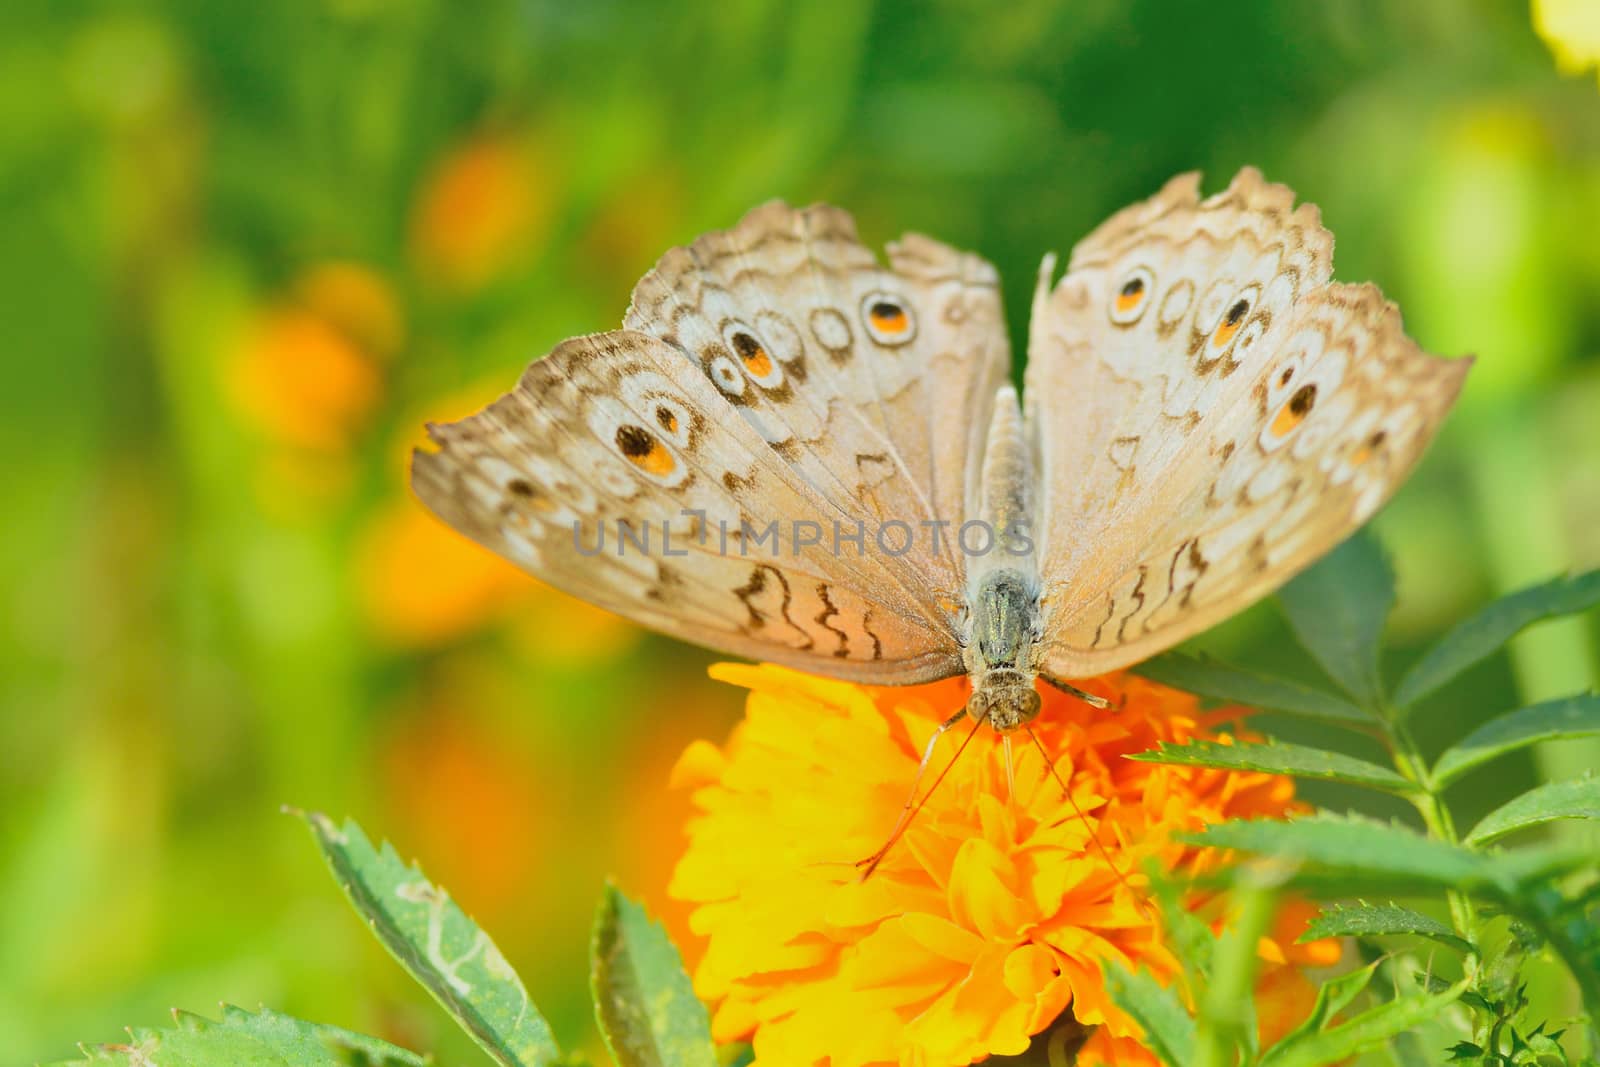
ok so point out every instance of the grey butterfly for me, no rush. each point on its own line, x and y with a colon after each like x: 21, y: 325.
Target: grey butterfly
x: 794, y: 453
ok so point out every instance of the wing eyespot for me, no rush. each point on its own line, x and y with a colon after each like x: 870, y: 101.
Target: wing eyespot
x: 888, y: 319
x: 1368, y: 448
x: 753, y: 354
x: 1129, y: 300
x: 1294, y: 411
x: 646, y: 451
x: 1232, y: 323
x: 725, y: 374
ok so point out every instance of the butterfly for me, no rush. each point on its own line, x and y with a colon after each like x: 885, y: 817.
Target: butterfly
x: 807, y: 457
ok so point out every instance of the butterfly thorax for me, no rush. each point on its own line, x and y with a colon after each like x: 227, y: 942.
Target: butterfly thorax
x: 999, y: 655
x: 1003, y: 589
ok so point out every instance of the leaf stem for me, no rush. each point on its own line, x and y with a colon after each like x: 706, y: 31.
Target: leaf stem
x: 1429, y: 802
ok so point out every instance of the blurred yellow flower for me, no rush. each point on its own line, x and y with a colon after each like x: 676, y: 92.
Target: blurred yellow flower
x: 480, y: 208
x: 991, y: 917
x: 358, y: 302
x: 1572, y: 30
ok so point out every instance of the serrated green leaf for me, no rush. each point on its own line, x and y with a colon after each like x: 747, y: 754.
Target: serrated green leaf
x: 1219, y: 681
x: 1333, y: 996
x: 1480, y: 635
x: 249, y: 1039
x: 1169, y: 1031
x: 439, y: 945
x: 1299, y: 761
x: 1338, y: 609
x: 1380, y: 920
x: 1551, y: 720
x: 1366, y: 1031
x: 643, y: 1000
x: 1351, y: 845
x: 1575, y: 799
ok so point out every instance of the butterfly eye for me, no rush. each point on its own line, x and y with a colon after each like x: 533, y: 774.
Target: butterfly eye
x: 642, y: 448
x: 888, y: 319
x: 1293, y: 412
x: 1132, y: 296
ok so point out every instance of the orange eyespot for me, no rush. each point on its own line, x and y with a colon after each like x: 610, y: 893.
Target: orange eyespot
x: 1129, y: 295
x: 1368, y: 447
x: 530, y: 494
x: 755, y: 357
x: 1230, y: 324
x: 668, y: 421
x: 644, y: 451
x: 1294, y: 412
x: 889, y: 318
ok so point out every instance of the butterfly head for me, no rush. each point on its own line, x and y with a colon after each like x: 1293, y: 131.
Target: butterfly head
x: 1006, y: 700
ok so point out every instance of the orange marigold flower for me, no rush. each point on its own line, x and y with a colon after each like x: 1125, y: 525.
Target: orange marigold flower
x: 306, y: 369
x: 482, y: 205
x: 991, y: 917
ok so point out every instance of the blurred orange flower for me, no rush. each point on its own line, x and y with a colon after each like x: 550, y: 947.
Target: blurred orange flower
x: 305, y: 369
x: 991, y: 916
x: 421, y: 583
x: 477, y: 806
x: 482, y: 205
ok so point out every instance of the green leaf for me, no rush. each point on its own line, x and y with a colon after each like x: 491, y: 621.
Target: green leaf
x: 1380, y: 853
x: 1338, y: 609
x: 1380, y: 920
x: 643, y: 1000
x: 1552, y: 720
x: 1366, y: 1031
x: 1481, y: 634
x: 439, y: 945
x: 1575, y: 799
x: 1333, y: 996
x: 1278, y: 758
x: 1169, y: 1031
x: 249, y: 1039
x: 1218, y: 681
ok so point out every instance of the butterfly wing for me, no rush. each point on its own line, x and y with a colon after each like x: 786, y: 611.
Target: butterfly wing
x: 1211, y: 415
x: 619, y: 427
x: 876, y: 384
x: 764, y: 410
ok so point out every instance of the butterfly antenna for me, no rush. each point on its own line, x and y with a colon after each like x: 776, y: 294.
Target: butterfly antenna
x: 913, y: 805
x: 1105, y: 854
x: 1011, y: 775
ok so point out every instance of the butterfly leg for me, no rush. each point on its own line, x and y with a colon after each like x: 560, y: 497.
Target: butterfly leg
x: 1072, y: 690
x: 912, y: 804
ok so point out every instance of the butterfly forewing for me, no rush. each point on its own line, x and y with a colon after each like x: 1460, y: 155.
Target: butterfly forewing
x: 777, y: 398
x: 875, y: 383
x: 1211, y: 416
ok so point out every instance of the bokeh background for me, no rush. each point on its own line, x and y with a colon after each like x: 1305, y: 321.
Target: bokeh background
x: 249, y: 248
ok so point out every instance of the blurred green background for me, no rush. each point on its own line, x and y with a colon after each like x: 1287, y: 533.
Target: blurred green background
x: 249, y: 248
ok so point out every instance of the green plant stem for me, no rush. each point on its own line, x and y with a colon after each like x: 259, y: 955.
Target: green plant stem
x: 1408, y: 760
